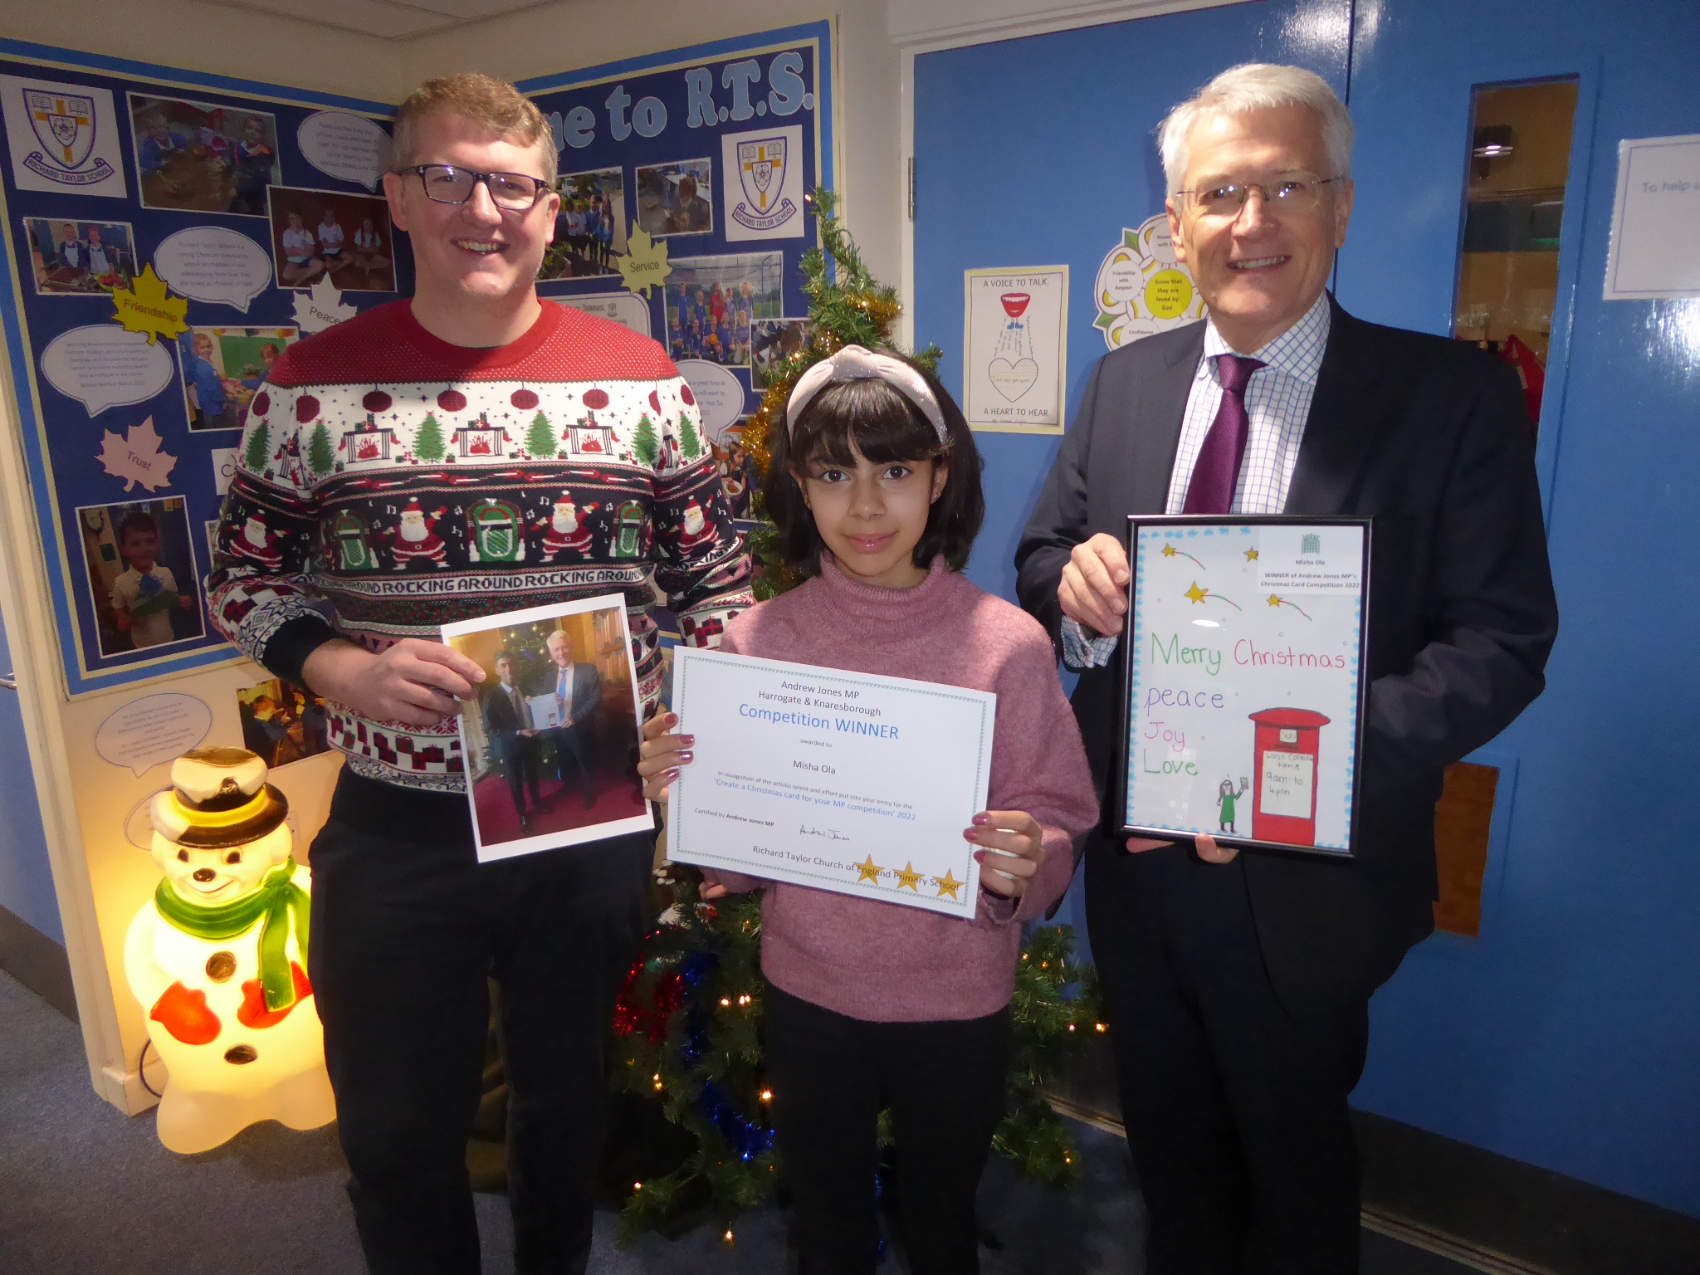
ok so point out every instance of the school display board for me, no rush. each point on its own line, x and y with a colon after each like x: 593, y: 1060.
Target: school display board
x: 169, y: 234
x: 685, y: 212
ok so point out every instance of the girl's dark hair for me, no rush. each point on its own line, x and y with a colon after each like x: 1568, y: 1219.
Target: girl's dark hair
x: 885, y: 426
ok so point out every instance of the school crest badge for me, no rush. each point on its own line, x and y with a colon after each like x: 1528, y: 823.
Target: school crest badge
x: 766, y: 203
x: 64, y: 124
x: 62, y: 137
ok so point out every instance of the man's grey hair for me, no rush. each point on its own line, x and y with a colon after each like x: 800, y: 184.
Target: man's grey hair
x: 1257, y: 86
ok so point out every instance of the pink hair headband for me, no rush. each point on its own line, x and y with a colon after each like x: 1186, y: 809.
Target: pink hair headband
x: 855, y: 363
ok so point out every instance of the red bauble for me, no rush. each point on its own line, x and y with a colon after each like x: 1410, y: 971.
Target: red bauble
x: 306, y: 408
x: 451, y: 400
x: 595, y: 399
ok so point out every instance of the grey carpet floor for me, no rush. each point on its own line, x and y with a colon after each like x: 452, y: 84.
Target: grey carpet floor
x: 87, y: 1190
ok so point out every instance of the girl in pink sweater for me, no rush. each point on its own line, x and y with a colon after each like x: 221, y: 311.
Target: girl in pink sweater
x: 875, y: 489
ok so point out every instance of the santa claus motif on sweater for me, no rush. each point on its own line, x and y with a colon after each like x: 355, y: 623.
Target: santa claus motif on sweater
x: 564, y: 531
x: 697, y: 530
x: 416, y: 540
x: 257, y: 543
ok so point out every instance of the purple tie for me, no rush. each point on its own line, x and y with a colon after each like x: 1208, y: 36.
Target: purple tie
x: 1216, y: 472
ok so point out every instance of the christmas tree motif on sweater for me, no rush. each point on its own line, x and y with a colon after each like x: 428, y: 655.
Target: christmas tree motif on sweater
x: 540, y: 439
x: 416, y: 540
x: 321, y: 456
x: 565, y: 530
x: 347, y: 544
x: 259, y: 444
x: 493, y: 531
x: 643, y: 442
x: 688, y: 436
x: 428, y: 443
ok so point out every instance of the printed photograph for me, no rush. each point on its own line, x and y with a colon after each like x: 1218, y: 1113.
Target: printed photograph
x: 737, y: 471
x: 80, y: 258
x: 712, y: 303
x: 223, y: 368
x: 281, y: 722
x: 203, y: 156
x: 674, y: 199
x: 316, y: 233
x: 549, y: 744
x: 590, y: 228
x: 772, y: 341
x: 142, y: 575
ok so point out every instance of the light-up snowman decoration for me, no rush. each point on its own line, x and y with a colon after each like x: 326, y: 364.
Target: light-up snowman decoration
x: 217, y: 958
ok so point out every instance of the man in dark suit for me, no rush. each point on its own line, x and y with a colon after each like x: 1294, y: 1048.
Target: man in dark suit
x: 1238, y: 985
x: 578, y: 690
x: 512, y: 738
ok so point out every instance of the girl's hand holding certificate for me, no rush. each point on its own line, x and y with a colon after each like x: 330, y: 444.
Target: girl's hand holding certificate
x: 1009, y: 840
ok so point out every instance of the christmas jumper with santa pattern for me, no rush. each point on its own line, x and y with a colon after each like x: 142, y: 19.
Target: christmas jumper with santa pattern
x: 389, y: 483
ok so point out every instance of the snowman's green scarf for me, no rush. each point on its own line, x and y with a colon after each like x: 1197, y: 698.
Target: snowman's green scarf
x: 278, y: 900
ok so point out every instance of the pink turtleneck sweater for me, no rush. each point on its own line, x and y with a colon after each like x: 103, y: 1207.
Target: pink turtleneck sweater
x: 881, y: 961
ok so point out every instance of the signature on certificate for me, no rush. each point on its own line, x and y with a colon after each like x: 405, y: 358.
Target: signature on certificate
x: 828, y: 834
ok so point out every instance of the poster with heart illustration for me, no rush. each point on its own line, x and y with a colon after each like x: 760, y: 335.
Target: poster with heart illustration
x: 1013, y: 349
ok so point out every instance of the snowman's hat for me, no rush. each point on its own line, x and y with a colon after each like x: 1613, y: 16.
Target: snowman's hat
x: 218, y: 797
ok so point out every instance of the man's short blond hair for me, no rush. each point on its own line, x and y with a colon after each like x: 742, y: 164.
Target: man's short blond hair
x: 490, y: 103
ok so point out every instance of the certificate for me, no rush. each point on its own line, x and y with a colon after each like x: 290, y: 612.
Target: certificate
x: 843, y: 781
x: 1243, y: 678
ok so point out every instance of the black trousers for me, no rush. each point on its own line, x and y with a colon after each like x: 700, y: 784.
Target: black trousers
x: 519, y: 768
x: 944, y: 1083
x: 1235, y: 1109
x: 406, y: 927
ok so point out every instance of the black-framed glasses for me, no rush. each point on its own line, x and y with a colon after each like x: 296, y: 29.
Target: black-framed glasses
x: 1299, y: 193
x: 450, y: 184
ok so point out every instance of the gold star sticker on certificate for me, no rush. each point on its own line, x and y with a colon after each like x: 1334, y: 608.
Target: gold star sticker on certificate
x: 1274, y: 599
x: 1251, y: 555
x: 947, y: 885
x: 1196, y: 594
x: 867, y: 870
x: 1168, y: 551
x: 909, y: 878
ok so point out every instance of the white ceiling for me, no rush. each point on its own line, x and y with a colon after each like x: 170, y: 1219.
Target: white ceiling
x: 387, y: 19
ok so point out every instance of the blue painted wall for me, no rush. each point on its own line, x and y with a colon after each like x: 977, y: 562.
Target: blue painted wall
x: 26, y: 881
x: 1568, y: 1034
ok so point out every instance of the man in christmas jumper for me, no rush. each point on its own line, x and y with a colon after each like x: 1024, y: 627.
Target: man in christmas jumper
x: 406, y: 923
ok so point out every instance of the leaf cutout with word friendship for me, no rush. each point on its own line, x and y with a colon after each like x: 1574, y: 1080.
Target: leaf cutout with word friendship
x: 148, y: 308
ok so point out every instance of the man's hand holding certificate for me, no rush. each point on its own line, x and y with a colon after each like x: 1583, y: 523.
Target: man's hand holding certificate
x: 844, y: 781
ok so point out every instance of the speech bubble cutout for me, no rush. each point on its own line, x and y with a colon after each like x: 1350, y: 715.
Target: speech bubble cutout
x: 350, y: 147
x: 102, y: 366
x: 223, y: 467
x: 620, y: 307
x: 151, y: 730
x: 214, y: 263
x: 720, y: 398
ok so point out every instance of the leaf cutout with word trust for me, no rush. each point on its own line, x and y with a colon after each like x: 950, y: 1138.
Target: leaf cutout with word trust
x: 137, y: 458
x: 148, y: 308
